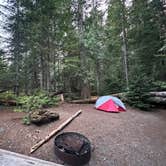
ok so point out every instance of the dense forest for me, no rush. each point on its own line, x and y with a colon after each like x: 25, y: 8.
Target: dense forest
x: 83, y: 47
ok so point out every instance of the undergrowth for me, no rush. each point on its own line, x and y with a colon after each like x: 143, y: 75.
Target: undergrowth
x: 37, y: 101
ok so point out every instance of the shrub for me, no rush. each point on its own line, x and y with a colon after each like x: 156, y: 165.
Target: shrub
x: 8, y: 96
x: 26, y: 120
x: 138, y: 92
x: 160, y: 85
x: 112, y: 85
x: 36, y: 101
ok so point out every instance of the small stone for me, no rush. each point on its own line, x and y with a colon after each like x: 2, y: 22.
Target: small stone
x: 37, y: 131
x: 104, y: 158
x: 2, y: 129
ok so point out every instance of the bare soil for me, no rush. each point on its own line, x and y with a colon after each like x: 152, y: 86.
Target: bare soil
x: 132, y: 138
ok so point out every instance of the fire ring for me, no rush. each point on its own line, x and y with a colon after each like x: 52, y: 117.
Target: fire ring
x: 73, y: 148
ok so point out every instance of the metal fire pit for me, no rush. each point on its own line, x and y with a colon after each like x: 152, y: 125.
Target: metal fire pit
x: 73, y: 148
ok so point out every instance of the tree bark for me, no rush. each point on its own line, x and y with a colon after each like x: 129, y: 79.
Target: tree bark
x: 92, y: 100
x: 124, y: 46
x: 157, y: 100
x: 17, y: 49
x: 158, y: 94
x: 98, y: 76
x: 85, y: 88
x: 41, y: 72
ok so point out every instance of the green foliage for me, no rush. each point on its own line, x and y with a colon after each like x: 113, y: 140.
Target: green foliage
x: 137, y: 94
x: 145, y: 34
x: 71, y: 66
x: 2, y: 63
x: 36, y: 101
x: 112, y: 85
x: 26, y: 120
x: 94, y: 39
x: 160, y: 86
x: 8, y: 96
x: 18, y: 109
x: 5, y: 74
x: 50, y: 49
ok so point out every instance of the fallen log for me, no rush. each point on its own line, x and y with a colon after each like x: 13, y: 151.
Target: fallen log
x: 158, y: 94
x: 85, y: 101
x: 56, y: 93
x: 8, y: 102
x: 157, y: 100
x: 119, y: 94
x: 152, y: 97
x: 49, y: 136
x: 2, y: 91
x: 93, y: 99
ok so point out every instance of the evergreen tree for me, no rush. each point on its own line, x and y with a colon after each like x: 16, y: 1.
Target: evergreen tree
x: 116, y: 30
x: 66, y: 44
x: 144, y: 35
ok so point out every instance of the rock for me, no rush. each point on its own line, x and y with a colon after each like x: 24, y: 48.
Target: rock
x: 2, y: 130
x: 43, y: 116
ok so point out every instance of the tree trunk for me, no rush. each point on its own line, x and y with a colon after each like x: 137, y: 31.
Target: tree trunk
x: 124, y: 46
x: 48, y: 77
x: 98, y: 76
x: 85, y: 93
x: 41, y: 72
x: 17, y: 50
x: 54, y: 69
x: 85, y: 88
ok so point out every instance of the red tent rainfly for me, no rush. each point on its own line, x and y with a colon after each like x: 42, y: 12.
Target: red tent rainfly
x: 110, y: 104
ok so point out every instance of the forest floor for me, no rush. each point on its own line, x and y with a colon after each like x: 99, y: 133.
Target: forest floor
x: 132, y: 138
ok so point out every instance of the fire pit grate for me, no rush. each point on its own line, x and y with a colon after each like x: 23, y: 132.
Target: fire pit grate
x: 73, y: 148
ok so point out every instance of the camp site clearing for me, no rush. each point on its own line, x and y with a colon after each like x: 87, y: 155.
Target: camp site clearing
x: 127, y: 138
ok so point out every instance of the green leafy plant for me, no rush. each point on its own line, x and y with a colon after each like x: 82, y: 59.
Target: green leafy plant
x: 159, y: 85
x: 26, y: 120
x: 18, y: 109
x: 138, y: 92
x: 36, y: 101
x: 8, y: 96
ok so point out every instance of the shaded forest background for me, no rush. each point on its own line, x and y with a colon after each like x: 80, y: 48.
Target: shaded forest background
x: 82, y: 49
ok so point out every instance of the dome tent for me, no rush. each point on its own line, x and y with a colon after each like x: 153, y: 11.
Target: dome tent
x: 110, y: 104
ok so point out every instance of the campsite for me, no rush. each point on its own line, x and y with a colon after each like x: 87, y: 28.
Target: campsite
x: 82, y: 82
x: 129, y: 138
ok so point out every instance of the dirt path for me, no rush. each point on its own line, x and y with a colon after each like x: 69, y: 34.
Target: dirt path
x: 134, y: 138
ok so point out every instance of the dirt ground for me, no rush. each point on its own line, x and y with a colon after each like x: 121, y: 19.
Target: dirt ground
x: 132, y: 138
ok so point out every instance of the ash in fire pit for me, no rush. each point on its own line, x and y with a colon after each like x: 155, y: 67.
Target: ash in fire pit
x: 73, y: 144
x: 73, y: 148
